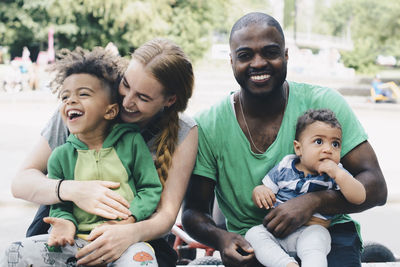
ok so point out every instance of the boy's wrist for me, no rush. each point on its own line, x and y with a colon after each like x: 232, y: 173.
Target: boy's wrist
x: 58, y: 190
x: 64, y: 191
x: 341, y: 175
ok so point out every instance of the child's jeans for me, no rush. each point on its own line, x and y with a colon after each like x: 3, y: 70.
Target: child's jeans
x: 35, y: 251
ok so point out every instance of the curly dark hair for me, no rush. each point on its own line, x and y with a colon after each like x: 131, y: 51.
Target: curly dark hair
x: 313, y: 115
x: 103, y: 64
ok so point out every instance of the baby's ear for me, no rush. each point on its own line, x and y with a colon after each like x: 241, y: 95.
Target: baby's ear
x: 297, y: 148
x: 111, y: 111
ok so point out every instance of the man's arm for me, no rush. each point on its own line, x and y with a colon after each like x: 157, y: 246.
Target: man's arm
x: 362, y: 163
x: 197, y: 221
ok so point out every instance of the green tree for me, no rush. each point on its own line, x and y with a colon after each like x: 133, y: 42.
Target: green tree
x: 374, y: 27
x: 127, y: 23
x: 19, y: 25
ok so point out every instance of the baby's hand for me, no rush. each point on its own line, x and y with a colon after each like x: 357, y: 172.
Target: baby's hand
x: 263, y: 197
x: 329, y: 167
x: 63, y: 231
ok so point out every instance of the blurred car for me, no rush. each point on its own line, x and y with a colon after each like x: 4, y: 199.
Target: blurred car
x: 389, y: 61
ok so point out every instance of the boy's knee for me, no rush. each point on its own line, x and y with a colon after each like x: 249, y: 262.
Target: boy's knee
x: 138, y: 254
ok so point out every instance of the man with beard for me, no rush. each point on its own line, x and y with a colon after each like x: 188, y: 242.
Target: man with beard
x: 244, y: 136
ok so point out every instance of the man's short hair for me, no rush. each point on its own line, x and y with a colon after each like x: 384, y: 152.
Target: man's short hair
x: 256, y: 18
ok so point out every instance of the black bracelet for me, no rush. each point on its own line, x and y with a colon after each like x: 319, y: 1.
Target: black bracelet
x: 58, y: 189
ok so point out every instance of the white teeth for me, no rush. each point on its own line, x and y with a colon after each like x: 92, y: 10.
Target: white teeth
x: 130, y: 110
x: 74, y: 112
x: 260, y: 77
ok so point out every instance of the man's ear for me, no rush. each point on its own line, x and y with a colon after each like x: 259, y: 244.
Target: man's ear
x: 297, y: 148
x: 287, y: 54
x: 111, y: 111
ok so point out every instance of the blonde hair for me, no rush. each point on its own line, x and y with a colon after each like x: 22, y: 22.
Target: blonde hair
x: 169, y: 65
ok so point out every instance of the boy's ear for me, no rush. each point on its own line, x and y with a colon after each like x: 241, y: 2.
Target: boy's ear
x: 297, y: 148
x: 111, y: 111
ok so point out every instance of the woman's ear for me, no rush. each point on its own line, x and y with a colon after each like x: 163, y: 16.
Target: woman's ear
x: 111, y: 111
x: 297, y: 148
x: 171, y: 100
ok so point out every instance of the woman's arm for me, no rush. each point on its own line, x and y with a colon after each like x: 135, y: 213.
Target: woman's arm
x: 112, y: 240
x: 32, y: 184
x: 183, y: 161
x: 174, y: 190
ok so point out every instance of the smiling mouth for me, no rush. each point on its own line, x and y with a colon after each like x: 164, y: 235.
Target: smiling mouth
x: 72, y: 114
x: 131, y: 110
x: 260, y: 78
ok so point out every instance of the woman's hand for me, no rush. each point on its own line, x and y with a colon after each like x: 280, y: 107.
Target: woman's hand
x: 108, y: 243
x: 62, y: 233
x: 130, y: 219
x: 98, y: 199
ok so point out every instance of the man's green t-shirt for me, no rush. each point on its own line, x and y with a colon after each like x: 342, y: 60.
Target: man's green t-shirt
x: 224, y: 153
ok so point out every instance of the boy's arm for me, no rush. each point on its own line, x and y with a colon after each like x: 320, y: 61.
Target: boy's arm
x: 62, y: 231
x: 146, y: 181
x: 351, y: 188
x: 55, y: 171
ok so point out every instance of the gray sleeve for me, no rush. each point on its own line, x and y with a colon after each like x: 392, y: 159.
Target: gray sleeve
x: 185, y: 124
x: 55, y: 131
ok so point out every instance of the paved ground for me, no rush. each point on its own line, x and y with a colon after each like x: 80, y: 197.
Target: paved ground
x: 22, y: 115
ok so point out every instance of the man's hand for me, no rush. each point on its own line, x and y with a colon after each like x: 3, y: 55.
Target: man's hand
x: 235, y: 250
x: 263, y: 197
x: 198, y: 223
x: 62, y: 233
x: 287, y: 217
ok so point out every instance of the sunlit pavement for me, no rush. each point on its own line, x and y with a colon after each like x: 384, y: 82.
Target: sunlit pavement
x: 23, y: 115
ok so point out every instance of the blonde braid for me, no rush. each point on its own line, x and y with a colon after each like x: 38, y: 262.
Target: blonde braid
x: 166, y: 144
x: 169, y: 65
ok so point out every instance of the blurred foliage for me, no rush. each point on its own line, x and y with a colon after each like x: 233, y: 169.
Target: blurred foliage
x: 289, y: 14
x: 127, y: 23
x: 374, y: 26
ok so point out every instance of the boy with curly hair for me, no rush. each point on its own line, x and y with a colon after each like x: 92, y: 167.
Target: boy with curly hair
x: 98, y: 148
